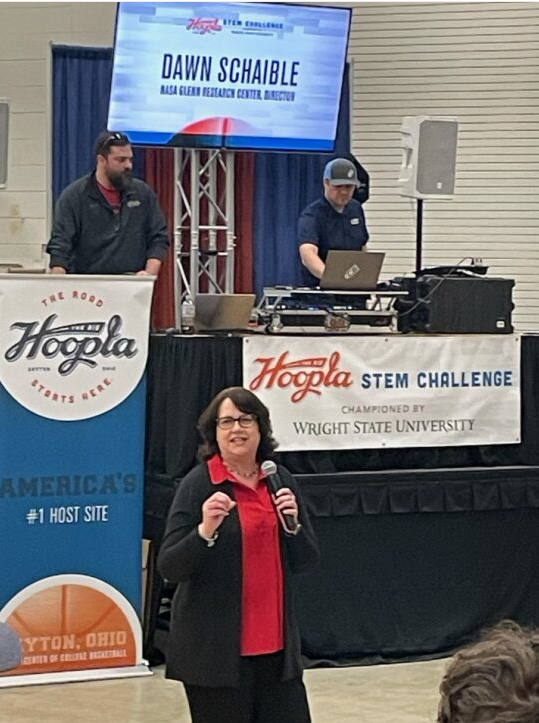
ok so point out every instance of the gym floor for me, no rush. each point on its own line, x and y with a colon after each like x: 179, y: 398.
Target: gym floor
x: 397, y: 693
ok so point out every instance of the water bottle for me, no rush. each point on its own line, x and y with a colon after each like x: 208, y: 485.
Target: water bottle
x: 188, y: 316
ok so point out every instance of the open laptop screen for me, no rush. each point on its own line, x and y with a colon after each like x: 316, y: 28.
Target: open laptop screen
x: 352, y: 270
x: 223, y: 312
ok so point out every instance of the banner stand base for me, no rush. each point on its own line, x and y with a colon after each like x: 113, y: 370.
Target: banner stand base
x: 75, y: 676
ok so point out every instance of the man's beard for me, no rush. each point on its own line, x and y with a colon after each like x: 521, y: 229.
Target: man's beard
x: 119, y: 181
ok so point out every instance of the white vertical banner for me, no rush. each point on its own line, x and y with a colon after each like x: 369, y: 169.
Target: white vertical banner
x: 73, y: 347
x: 384, y: 392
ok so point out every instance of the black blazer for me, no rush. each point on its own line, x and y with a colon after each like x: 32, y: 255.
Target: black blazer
x: 204, y: 641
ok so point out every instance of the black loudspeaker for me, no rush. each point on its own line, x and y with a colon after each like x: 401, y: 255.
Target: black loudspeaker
x: 429, y: 157
x: 361, y: 193
x: 456, y: 305
x: 4, y: 135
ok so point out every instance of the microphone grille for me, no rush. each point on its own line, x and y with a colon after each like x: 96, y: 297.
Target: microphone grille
x: 268, y: 467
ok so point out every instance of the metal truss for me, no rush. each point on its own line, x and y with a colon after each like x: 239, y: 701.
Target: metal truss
x: 204, y: 224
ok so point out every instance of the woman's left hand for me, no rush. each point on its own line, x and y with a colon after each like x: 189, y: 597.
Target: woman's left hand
x: 286, y: 503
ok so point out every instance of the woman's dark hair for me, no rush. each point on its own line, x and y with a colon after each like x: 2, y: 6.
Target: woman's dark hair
x: 246, y: 402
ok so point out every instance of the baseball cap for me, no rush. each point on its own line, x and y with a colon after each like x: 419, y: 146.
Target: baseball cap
x: 341, y: 172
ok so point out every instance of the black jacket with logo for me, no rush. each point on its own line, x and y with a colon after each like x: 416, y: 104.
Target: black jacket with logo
x: 90, y: 237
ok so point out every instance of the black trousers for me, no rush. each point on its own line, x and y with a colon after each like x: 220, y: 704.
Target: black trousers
x: 260, y: 698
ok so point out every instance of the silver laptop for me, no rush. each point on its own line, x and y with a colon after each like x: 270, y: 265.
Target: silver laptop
x: 223, y: 312
x: 352, y: 270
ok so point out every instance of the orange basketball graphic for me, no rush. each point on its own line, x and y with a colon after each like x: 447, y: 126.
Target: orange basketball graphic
x: 72, y: 626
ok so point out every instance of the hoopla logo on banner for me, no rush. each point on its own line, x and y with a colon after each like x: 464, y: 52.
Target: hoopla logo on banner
x: 74, y: 347
x: 307, y: 375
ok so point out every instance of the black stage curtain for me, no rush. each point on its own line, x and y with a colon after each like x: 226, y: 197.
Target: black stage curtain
x: 421, y: 548
x: 184, y: 374
x: 407, y: 586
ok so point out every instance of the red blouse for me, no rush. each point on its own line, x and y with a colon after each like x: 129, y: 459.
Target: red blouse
x: 262, y: 582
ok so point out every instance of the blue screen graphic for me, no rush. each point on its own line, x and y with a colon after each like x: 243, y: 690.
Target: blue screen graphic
x: 234, y: 75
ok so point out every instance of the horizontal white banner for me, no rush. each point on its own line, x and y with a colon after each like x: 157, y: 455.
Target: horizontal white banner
x: 399, y: 391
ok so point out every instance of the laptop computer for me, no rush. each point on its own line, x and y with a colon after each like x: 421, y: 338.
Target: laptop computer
x: 352, y: 270
x: 223, y: 312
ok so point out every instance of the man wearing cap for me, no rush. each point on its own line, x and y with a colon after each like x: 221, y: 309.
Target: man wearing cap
x: 108, y: 222
x: 335, y: 221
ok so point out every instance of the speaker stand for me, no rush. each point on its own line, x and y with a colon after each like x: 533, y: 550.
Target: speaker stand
x: 419, y: 237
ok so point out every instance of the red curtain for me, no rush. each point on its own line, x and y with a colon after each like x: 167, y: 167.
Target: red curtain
x: 243, y: 210
x: 159, y: 174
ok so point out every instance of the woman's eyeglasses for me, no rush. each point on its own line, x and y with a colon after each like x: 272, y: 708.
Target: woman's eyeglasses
x: 244, y: 420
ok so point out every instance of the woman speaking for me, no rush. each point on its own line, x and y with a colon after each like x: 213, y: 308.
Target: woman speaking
x: 233, y: 539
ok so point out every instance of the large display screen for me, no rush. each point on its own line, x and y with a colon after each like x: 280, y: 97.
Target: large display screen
x: 263, y: 76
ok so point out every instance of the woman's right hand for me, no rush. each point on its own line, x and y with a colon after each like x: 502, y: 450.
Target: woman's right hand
x: 214, y: 511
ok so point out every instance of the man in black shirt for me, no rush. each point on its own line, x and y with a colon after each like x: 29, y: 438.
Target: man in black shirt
x: 108, y: 222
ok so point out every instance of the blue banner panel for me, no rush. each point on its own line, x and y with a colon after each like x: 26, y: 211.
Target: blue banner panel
x: 72, y: 412
x: 70, y: 504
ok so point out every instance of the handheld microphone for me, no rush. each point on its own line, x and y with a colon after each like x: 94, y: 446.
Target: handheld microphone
x: 274, y: 483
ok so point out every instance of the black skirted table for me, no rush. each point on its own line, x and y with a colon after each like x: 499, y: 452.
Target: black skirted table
x: 421, y: 547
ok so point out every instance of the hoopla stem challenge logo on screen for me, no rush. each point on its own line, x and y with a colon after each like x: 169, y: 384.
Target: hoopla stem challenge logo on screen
x: 70, y: 352
x: 202, y: 26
